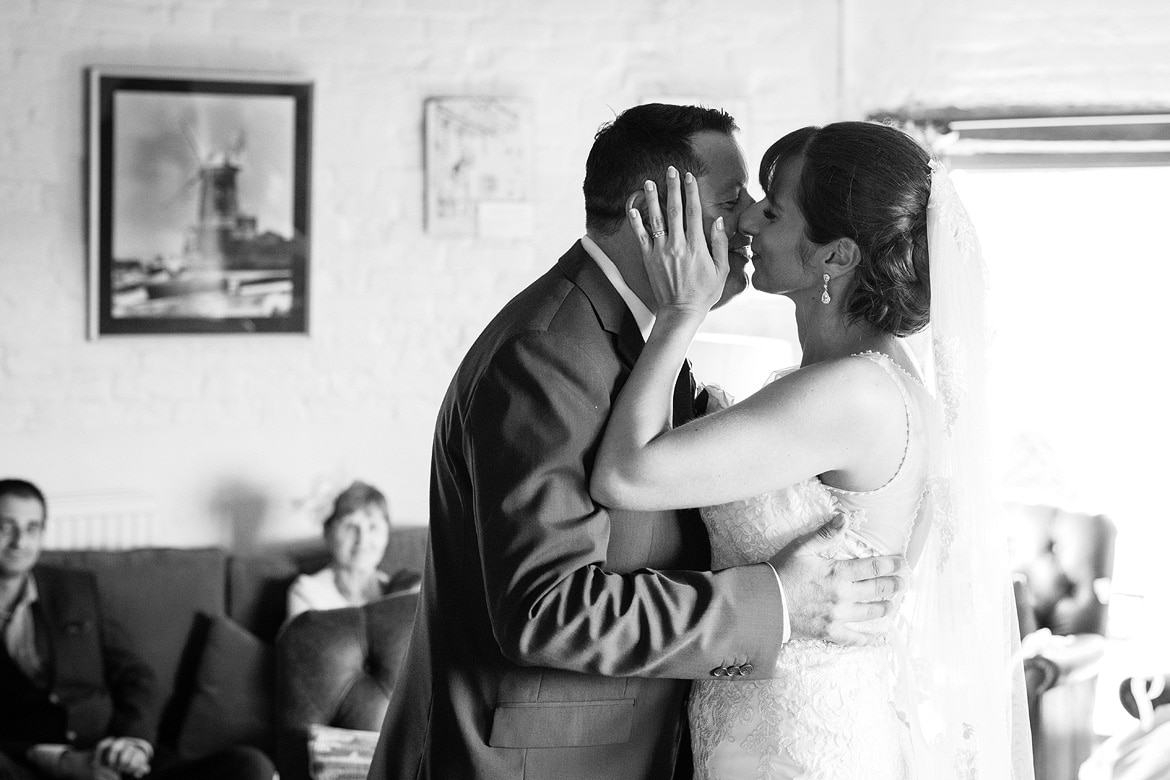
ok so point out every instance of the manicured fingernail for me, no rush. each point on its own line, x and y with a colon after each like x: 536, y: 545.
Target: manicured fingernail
x: 718, y: 222
x: 688, y: 178
x: 671, y: 173
x: 649, y: 185
x: 633, y: 215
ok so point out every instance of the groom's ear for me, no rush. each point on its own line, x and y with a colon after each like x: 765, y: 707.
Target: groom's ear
x: 637, y: 200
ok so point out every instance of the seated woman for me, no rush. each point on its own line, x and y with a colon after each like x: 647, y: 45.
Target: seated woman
x: 357, y: 531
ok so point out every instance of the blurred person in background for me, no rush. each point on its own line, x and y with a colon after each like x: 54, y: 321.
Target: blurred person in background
x: 76, y: 701
x: 357, y: 531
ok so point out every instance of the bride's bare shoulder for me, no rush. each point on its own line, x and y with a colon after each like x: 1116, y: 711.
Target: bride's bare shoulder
x: 856, y: 383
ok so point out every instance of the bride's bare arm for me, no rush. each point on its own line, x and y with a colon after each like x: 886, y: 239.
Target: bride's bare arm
x: 808, y: 423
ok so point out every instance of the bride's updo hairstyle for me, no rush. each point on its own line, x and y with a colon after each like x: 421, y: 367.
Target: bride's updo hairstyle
x: 869, y: 183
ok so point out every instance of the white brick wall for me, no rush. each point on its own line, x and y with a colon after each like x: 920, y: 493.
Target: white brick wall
x: 1061, y: 53
x: 189, y: 419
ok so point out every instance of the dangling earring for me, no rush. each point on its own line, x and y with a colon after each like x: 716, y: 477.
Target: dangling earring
x: 825, y: 299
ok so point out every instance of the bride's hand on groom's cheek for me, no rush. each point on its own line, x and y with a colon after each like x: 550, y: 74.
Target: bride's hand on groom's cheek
x: 825, y: 595
x: 684, y: 272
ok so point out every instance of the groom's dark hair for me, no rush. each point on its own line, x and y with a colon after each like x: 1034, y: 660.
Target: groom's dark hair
x: 639, y: 144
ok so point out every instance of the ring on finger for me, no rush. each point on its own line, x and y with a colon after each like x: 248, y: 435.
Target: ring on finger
x: 658, y: 234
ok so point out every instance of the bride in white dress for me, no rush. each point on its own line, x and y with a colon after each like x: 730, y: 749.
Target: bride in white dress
x: 865, y: 234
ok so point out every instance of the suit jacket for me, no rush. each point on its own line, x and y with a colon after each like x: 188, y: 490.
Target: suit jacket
x: 96, y: 687
x: 556, y: 638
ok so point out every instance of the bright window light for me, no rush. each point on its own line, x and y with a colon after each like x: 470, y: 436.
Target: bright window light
x: 1080, y: 272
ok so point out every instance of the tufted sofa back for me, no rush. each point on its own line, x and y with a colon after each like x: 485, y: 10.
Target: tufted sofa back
x: 1065, y: 560
x: 337, y: 667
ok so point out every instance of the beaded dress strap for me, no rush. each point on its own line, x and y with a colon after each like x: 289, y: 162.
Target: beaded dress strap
x: 900, y: 377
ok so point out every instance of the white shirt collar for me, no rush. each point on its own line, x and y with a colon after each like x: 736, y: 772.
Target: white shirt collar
x: 642, y: 315
x: 28, y: 594
x: 18, y: 635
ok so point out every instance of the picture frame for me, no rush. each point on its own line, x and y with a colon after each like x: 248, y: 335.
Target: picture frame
x: 478, y: 160
x: 199, y: 194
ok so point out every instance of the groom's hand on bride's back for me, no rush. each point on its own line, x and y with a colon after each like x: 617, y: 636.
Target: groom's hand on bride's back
x: 825, y: 595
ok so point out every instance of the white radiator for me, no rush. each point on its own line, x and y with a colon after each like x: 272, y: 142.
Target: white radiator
x: 100, y: 521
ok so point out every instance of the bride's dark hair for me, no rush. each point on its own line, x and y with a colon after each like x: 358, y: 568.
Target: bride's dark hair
x: 869, y: 183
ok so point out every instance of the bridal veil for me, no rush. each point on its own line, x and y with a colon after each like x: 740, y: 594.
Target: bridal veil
x: 960, y: 681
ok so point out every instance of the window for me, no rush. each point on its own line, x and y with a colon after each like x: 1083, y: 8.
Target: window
x: 1070, y: 212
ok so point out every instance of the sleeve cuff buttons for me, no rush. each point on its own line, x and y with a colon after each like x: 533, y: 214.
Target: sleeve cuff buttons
x: 732, y: 671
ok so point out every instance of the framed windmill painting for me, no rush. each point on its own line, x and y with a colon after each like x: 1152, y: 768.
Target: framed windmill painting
x: 198, y: 203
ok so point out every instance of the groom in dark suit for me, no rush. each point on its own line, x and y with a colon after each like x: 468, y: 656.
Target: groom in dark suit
x: 556, y: 638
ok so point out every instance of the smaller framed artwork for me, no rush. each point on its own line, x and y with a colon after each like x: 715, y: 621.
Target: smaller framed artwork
x: 198, y: 202
x: 478, y: 162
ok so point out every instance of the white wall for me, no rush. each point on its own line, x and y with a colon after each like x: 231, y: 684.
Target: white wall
x: 994, y: 53
x: 219, y: 428
x: 214, y: 426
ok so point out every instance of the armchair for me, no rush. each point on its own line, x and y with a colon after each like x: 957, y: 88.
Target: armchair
x: 337, y: 668
x: 1063, y: 563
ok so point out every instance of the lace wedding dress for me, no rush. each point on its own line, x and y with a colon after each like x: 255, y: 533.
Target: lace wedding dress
x: 832, y: 712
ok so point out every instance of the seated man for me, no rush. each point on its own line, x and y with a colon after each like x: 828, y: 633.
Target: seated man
x: 76, y: 702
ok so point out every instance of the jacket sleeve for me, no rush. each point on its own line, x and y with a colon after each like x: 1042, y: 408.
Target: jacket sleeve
x: 531, y: 432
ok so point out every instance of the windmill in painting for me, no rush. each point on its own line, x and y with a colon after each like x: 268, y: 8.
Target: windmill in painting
x: 220, y: 227
x: 226, y: 266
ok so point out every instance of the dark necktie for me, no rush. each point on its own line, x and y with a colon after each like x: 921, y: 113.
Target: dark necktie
x: 694, y: 543
x: 684, y: 395
x: 687, y: 404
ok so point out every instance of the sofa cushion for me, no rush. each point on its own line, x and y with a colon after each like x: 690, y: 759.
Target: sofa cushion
x: 257, y: 591
x: 231, y: 696
x: 154, y: 594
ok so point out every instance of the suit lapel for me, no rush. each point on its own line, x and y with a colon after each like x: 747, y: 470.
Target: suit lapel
x: 611, y: 310
x: 45, y: 612
x: 615, y: 317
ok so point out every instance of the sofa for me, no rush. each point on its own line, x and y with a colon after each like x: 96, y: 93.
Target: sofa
x: 207, y: 623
